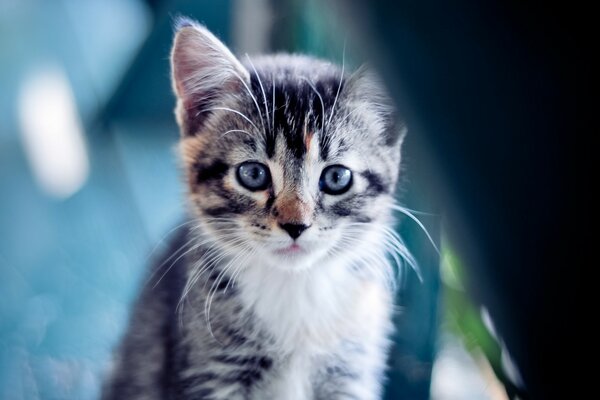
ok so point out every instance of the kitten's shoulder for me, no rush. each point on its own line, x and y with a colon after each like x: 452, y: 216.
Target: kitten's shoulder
x: 141, y: 364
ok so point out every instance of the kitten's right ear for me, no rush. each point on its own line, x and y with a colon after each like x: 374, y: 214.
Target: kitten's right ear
x: 203, y: 72
x: 365, y: 86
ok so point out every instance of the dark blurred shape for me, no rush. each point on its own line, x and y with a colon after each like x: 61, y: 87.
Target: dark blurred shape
x: 493, y: 89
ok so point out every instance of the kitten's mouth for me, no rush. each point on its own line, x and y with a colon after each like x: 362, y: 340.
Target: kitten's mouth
x: 294, y: 248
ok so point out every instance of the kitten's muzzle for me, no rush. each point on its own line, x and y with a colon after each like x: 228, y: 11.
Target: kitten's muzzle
x: 294, y: 230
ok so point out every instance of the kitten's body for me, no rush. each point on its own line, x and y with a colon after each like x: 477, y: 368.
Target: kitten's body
x: 313, y: 338
x: 246, y: 312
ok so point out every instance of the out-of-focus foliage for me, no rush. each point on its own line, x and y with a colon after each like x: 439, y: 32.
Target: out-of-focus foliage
x: 462, y: 318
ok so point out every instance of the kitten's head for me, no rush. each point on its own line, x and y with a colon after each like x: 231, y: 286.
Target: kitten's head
x: 287, y: 157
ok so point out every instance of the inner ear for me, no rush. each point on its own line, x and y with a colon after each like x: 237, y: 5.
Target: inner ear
x: 204, y: 73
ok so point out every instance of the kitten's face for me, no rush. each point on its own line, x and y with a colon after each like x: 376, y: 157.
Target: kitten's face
x: 286, y: 158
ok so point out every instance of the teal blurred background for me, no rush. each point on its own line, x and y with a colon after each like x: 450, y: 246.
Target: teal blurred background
x: 82, y: 201
x: 90, y: 188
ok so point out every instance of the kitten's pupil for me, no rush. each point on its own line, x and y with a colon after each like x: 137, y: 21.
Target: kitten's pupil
x: 255, y: 172
x: 336, y: 175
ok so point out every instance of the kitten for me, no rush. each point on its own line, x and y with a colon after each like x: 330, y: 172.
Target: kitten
x: 278, y: 286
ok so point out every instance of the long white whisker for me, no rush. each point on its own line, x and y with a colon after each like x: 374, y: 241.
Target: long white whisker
x: 174, y: 254
x: 162, y: 239
x: 397, y: 244
x: 213, y: 259
x: 195, y: 247
x: 392, y: 242
x: 320, y: 99
x: 209, y: 260
x: 214, y: 288
x: 273, y: 115
x: 238, y: 271
x: 229, y: 265
x: 233, y: 111
x: 236, y: 130
x: 417, y: 212
x: 261, y: 88
x: 340, y: 85
x: 367, y: 259
x: 410, y: 215
x: 253, y: 99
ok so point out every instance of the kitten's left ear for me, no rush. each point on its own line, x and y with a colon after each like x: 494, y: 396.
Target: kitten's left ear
x: 366, y: 87
x: 204, y: 72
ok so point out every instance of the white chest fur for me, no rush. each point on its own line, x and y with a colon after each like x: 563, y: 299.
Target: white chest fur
x: 301, y: 309
x: 309, y: 313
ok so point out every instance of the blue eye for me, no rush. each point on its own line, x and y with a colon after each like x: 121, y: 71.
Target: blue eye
x: 253, y: 175
x: 335, y: 179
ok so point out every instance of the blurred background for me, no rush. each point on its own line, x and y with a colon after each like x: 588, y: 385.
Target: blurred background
x: 90, y: 186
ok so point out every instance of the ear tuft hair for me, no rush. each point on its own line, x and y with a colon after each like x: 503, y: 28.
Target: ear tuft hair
x: 182, y: 21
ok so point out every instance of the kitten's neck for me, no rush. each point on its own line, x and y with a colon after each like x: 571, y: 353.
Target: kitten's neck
x: 312, y: 308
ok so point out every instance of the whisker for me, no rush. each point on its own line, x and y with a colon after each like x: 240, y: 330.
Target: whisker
x: 236, y: 130
x: 238, y: 271
x: 212, y: 256
x: 174, y: 254
x: 162, y: 239
x: 410, y: 215
x: 417, y: 212
x: 320, y: 99
x: 196, y: 246
x: 173, y: 263
x: 213, y: 289
x: 273, y: 115
x: 340, y: 84
x: 261, y: 88
x: 233, y: 111
x: 216, y: 257
x: 398, y: 244
x: 253, y: 99
x: 393, y: 244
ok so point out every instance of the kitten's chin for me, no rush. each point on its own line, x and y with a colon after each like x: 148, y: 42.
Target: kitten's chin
x: 293, y: 257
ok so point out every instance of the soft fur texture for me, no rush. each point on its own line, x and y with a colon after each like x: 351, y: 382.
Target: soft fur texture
x: 239, y: 309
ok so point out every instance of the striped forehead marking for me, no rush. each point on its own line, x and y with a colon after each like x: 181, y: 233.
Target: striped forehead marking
x: 298, y: 110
